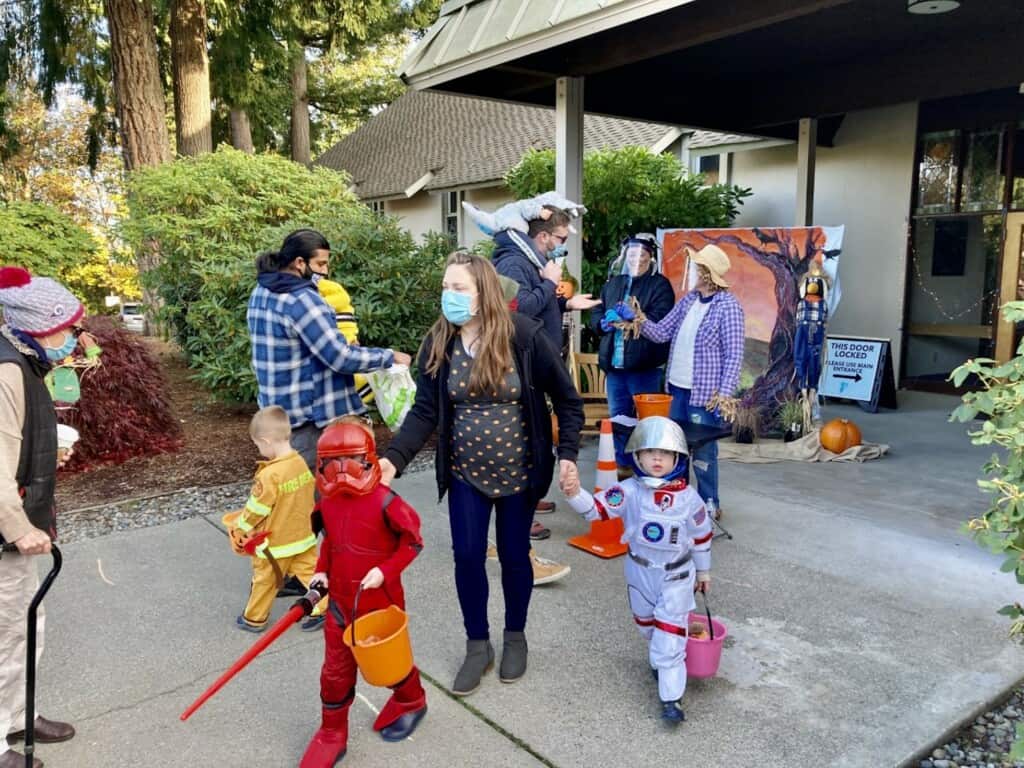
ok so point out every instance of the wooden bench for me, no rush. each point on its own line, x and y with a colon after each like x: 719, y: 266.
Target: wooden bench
x: 589, y: 380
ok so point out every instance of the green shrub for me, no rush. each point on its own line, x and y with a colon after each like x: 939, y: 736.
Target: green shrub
x: 1000, y: 528
x: 46, y: 242
x: 210, y: 216
x: 626, y: 191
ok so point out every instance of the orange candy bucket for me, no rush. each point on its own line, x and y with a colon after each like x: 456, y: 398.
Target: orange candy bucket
x: 381, y: 647
x: 652, y: 405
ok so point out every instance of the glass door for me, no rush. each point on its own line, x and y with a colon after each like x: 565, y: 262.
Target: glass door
x: 955, y: 272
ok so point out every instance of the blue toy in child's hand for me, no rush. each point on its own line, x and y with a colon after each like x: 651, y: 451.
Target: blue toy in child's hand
x: 624, y: 312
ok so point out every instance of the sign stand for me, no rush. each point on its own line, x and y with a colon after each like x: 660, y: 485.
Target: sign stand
x: 859, y: 369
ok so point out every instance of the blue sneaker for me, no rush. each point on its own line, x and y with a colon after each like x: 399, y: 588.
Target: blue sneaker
x: 246, y: 626
x: 313, y: 623
x: 671, y: 712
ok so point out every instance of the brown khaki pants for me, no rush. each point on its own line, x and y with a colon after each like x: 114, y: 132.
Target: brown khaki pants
x: 18, y: 584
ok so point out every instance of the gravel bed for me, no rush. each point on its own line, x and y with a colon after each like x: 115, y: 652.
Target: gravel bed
x: 88, y: 523
x: 984, y: 743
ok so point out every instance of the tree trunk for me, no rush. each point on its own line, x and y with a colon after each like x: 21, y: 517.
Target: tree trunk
x: 300, y: 107
x: 190, y: 70
x: 241, y: 131
x: 137, y: 88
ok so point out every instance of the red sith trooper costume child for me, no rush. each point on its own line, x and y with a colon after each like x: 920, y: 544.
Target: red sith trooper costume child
x: 366, y: 527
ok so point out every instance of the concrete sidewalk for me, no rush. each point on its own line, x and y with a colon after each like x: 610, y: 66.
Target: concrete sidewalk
x: 862, y: 626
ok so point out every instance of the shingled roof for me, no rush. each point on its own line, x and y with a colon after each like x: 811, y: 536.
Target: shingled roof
x: 462, y: 141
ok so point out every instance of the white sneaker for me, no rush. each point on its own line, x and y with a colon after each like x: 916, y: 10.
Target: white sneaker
x: 546, y: 571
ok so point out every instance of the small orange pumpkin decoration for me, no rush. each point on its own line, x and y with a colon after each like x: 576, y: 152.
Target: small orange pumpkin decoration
x: 565, y: 289
x: 840, y: 434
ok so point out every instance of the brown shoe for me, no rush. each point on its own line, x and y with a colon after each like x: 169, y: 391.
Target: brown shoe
x: 544, y: 507
x: 47, y: 732
x: 12, y: 759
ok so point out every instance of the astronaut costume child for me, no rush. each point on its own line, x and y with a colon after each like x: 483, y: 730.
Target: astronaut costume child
x: 669, y: 534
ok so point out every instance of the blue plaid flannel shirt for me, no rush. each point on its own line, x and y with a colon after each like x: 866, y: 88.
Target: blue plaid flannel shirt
x: 301, y: 359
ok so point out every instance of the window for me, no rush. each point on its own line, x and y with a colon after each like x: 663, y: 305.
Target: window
x: 452, y: 211
x: 709, y: 166
x: 377, y: 206
x: 983, y: 183
x: 938, y: 171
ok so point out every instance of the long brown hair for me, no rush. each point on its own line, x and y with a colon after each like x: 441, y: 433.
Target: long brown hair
x: 494, y: 345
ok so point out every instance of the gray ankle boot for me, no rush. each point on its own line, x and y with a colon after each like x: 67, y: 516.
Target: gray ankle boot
x: 479, y: 659
x: 513, y: 657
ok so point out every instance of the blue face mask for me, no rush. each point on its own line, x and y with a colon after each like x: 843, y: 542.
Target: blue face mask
x: 558, y: 251
x: 456, y: 307
x: 64, y: 350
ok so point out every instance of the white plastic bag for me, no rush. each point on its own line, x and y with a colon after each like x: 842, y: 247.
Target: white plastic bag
x: 394, y: 391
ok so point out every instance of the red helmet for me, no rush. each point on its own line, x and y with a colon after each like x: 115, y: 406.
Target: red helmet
x: 338, y: 470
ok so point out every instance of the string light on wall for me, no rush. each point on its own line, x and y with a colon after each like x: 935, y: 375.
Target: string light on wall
x: 951, y: 314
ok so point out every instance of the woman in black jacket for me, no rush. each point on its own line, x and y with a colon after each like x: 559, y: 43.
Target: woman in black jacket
x: 483, y: 375
x: 632, y: 366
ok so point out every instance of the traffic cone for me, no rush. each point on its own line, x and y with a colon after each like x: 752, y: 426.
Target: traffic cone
x: 604, y: 537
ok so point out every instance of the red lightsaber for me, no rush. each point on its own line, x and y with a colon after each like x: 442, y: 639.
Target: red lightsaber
x: 302, y: 607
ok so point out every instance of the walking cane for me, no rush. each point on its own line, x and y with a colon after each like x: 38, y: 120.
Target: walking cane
x: 30, y: 668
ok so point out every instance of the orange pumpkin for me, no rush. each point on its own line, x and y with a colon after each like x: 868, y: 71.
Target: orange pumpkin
x: 565, y: 289
x: 840, y: 434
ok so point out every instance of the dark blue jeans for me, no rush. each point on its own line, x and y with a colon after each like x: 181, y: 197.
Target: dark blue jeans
x: 469, y: 513
x: 705, y: 458
x: 620, y: 387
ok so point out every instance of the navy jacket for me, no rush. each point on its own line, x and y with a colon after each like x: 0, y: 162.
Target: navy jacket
x: 654, y: 293
x: 516, y: 257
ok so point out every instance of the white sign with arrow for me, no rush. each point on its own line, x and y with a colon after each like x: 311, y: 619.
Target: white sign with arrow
x: 851, y: 367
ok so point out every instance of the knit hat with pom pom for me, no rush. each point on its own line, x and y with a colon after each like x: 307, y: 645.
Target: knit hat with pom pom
x: 38, y: 306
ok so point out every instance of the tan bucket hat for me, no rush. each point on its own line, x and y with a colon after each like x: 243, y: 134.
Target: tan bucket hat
x: 716, y: 261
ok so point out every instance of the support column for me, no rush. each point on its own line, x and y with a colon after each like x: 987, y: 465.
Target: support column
x: 806, y: 145
x: 569, y: 167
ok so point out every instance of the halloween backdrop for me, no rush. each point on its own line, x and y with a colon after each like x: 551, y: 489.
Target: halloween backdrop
x: 767, y: 267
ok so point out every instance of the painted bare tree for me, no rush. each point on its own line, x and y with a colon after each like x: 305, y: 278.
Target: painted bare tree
x: 788, y: 254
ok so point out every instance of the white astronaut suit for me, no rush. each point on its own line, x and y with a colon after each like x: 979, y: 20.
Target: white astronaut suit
x: 669, y: 534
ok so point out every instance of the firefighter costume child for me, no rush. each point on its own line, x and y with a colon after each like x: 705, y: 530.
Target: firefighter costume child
x: 370, y: 536
x: 669, y: 534
x: 280, y: 504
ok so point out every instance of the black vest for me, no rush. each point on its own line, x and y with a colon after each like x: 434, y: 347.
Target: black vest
x: 37, y: 464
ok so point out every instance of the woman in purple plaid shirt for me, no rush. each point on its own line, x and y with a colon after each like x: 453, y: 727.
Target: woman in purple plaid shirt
x: 706, y: 331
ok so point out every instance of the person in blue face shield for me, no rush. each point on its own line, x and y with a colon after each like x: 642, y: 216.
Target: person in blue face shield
x: 632, y: 365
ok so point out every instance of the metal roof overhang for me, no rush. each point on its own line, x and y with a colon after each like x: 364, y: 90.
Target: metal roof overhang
x: 743, y: 66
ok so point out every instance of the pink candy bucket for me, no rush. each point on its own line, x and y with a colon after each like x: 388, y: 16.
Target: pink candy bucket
x: 704, y: 655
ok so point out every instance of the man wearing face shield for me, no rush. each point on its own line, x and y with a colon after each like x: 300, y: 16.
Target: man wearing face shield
x: 632, y: 366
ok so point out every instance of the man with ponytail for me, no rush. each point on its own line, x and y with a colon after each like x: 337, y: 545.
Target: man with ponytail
x: 302, y: 361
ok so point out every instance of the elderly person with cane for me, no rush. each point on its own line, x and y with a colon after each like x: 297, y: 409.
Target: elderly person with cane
x: 39, y: 328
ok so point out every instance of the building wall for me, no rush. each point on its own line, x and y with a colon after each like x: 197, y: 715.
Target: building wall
x: 486, y: 199
x: 420, y: 214
x: 863, y: 182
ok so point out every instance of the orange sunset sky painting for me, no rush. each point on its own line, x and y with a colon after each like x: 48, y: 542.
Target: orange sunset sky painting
x: 751, y: 283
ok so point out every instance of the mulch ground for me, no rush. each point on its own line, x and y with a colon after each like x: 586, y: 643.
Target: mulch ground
x: 216, y: 450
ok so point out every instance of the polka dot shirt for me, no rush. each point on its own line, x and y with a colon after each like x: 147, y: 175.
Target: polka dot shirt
x: 489, y: 438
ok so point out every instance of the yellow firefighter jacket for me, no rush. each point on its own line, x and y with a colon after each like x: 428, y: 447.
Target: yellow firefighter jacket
x: 281, y: 502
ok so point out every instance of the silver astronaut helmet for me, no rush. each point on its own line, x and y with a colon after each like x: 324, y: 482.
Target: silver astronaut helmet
x: 659, y: 432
